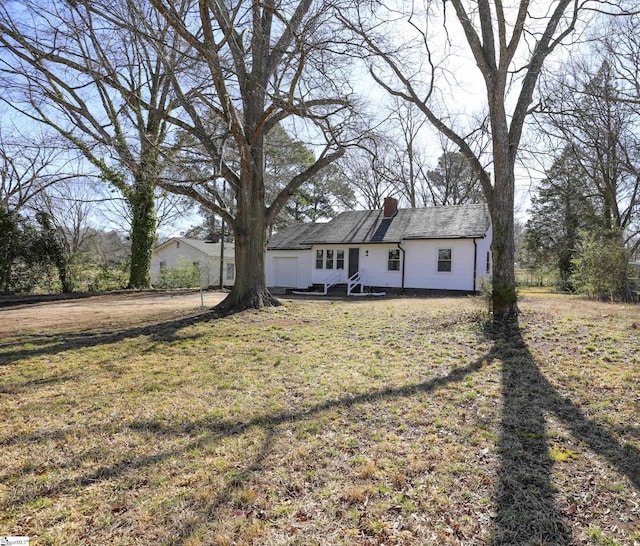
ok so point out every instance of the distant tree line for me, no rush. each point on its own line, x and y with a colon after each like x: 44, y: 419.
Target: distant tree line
x: 35, y: 256
x: 584, y: 224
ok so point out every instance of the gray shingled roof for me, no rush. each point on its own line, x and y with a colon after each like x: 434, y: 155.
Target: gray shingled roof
x: 293, y: 236
x: 369, y: 226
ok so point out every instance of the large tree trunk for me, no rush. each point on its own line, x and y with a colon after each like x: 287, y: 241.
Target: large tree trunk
x: 501, y: 207
x: 504, y: 298
x: 143, y: 233
x: 64, y: 273
x: 250, y: 288
x: 250, y: 230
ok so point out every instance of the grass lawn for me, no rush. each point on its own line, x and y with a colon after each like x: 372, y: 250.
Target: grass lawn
x: 386, y: 421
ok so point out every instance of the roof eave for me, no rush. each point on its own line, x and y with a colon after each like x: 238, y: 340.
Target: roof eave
x: 445, y: 237
x: 288, y: 247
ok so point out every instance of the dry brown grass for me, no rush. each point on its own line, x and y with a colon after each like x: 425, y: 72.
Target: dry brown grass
x: 390, y: 421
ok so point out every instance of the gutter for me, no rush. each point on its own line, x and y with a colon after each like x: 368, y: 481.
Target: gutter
x: 404, y: 257
x: 475, y: 263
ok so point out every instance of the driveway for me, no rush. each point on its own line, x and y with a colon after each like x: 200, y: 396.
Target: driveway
x: 104, y: 311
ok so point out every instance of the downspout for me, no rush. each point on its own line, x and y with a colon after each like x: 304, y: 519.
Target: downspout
x: 404, y: 256
x: 221, y: 252
x: 475, y: 263
x: 224, y: 190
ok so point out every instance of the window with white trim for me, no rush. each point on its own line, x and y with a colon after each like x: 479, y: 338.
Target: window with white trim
x: 339, y: 259
x: 393, y: 260
x: 444, y: 260
x: 329, y: 261
x: 319, y: 259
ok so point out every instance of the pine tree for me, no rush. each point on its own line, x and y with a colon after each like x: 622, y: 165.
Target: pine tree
x: 560, y: 212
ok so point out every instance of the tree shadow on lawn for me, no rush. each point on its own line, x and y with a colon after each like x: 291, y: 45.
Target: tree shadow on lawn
x: 210, y: 430
x: 160, y: 330
x: 51, y: 344
x: 526, y: 509
x: 527, y: 512
x: 525, y: 499
x: 268, y: 425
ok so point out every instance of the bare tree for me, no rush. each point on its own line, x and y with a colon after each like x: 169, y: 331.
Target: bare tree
x: 594, y: 107
x: 28, y: 166
x: 319, y: 197
x: 620, y: 44
x: 84, y: 69
x: 31, y: 170
x: 367, y: 168
x: 408, y: 162
x: 70, y: 205
x: 268, y: 64
x: 508, y: 46
x: 171, y: 210
x: 407, y: 149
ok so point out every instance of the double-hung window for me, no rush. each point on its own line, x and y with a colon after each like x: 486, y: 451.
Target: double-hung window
x: 444, y: 260
x: 393, y: 260
x: 329, y: 260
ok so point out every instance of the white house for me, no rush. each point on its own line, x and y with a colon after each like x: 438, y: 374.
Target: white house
x: 434, y: 248
x: 179, y: 251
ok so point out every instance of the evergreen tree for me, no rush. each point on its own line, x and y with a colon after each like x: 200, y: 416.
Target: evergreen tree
x: 28, y: 249
x: 285, y: 157
x: 560, y: 212
x: 453, y: 182
x: 587, y: 110
x: 10, y: 246
x: 320, y: 197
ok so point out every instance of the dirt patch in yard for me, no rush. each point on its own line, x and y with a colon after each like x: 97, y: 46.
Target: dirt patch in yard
x: 104, y: 311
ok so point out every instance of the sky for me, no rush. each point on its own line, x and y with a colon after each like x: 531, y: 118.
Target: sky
x: 464, y: 98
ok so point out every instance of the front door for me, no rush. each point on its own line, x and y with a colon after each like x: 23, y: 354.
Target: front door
x: 354, y: 261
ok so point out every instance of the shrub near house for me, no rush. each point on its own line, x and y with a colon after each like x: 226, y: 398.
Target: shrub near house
x: 183, y: 263
x: 184, y: 275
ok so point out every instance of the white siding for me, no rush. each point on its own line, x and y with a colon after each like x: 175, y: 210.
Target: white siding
x: 285, y: 271
x: 420, y: 260
x: 277, y: 260
x: 374, y: 261
x: 422, y: 264
x: 484, y: 247
x: 338, y: 276
x: 173, y: 256
x: 372, y: 265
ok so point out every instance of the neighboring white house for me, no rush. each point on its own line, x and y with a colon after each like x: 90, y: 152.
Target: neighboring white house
x: 434, y: 248
x: 179, y: 251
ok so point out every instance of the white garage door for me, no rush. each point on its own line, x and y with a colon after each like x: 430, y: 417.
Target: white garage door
x: 286, y: 272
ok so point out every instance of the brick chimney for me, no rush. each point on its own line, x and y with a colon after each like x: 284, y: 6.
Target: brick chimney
x: 390, y: 207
